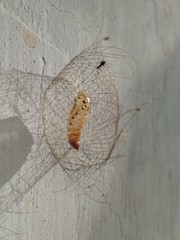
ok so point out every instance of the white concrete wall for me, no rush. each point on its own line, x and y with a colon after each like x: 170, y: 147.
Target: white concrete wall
x: 142, y: 190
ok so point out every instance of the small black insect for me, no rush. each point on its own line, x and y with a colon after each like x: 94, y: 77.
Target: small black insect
x: 107, y: 38
x: 102, y: 63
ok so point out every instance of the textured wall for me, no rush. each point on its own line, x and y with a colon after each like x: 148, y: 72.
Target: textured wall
x: 140, y: 191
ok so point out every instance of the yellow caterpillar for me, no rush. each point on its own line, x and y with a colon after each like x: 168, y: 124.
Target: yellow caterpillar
x: 77, y: 119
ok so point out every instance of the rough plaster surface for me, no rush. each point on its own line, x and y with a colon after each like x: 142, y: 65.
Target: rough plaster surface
x: 143, y: 187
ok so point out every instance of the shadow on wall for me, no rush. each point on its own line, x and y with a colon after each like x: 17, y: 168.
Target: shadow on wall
x: 15, y: 145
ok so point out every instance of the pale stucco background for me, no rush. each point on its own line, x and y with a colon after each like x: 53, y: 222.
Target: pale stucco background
x: 143, y: 188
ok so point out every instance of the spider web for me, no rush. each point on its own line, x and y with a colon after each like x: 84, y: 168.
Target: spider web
x: 43, y: 103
